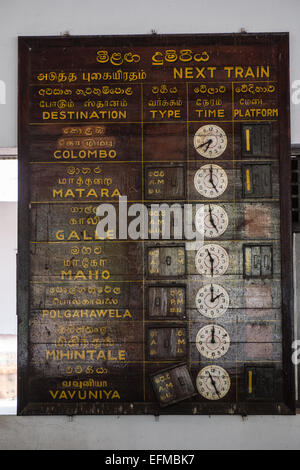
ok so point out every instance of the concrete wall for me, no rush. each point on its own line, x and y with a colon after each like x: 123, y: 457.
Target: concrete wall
x: 8, y: 251
x: 169, y: 432
x: 41, y: 17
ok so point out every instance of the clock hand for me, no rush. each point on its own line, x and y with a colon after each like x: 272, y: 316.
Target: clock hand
x: 211, y: 263
x: 210, y: 256
x: 213, y: 335
x: 212, y: 293
x: 214, y: 384
x: 211, y: 219
x: 215, y: 298
x: 207, y: 143
x: 211, y: 178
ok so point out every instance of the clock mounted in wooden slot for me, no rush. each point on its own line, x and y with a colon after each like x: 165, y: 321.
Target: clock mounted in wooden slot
x: 212, y: 341
x: 213, y: 382
x: 211, y: 181
x: 215, y: 220
x: 210, y: 141
x: 212, y: 300
x: 146, y: 320
x: 212, y: 260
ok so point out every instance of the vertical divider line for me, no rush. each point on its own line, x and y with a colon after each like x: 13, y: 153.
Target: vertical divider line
x: 187, y: 198
x: 234, y: 233
x: 143, y: 241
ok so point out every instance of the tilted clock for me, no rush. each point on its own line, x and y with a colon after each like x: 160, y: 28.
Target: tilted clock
x: 215, y: 221
x: 212, y: 260
x: 212, y: 300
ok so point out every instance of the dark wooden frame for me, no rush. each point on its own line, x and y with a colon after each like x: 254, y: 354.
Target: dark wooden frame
x: 26, y: 45
x: 295, y: 152
x: 295, y: 158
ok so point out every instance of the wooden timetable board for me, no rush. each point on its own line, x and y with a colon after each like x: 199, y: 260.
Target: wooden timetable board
x: 155, y: 324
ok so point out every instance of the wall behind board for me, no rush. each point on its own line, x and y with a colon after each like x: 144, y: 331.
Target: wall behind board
x: 96, y: 17
x: 8, y: 251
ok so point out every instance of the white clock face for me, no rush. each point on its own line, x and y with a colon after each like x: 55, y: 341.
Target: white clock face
x: 212, y: 341
x: 212, y: 300
x: 212, y: 260
x: 213, y: 382
x: 211, y: 181
x: 210, y: 141
x: 215, y: 220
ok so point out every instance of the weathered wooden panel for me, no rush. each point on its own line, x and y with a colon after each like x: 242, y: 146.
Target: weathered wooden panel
x: 81, y: 296
x: 145, y: 319
x: 88, y: 184
x: 48, y: 262
x: 89, y: 143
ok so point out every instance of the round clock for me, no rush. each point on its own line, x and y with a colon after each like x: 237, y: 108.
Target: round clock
x: 215, y: 220
x: 212, y: 341
x: 213, y: 382
x: 212, y: 260
x: 210, y: 141
x: 212, y: 300
x: 211, y: 181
